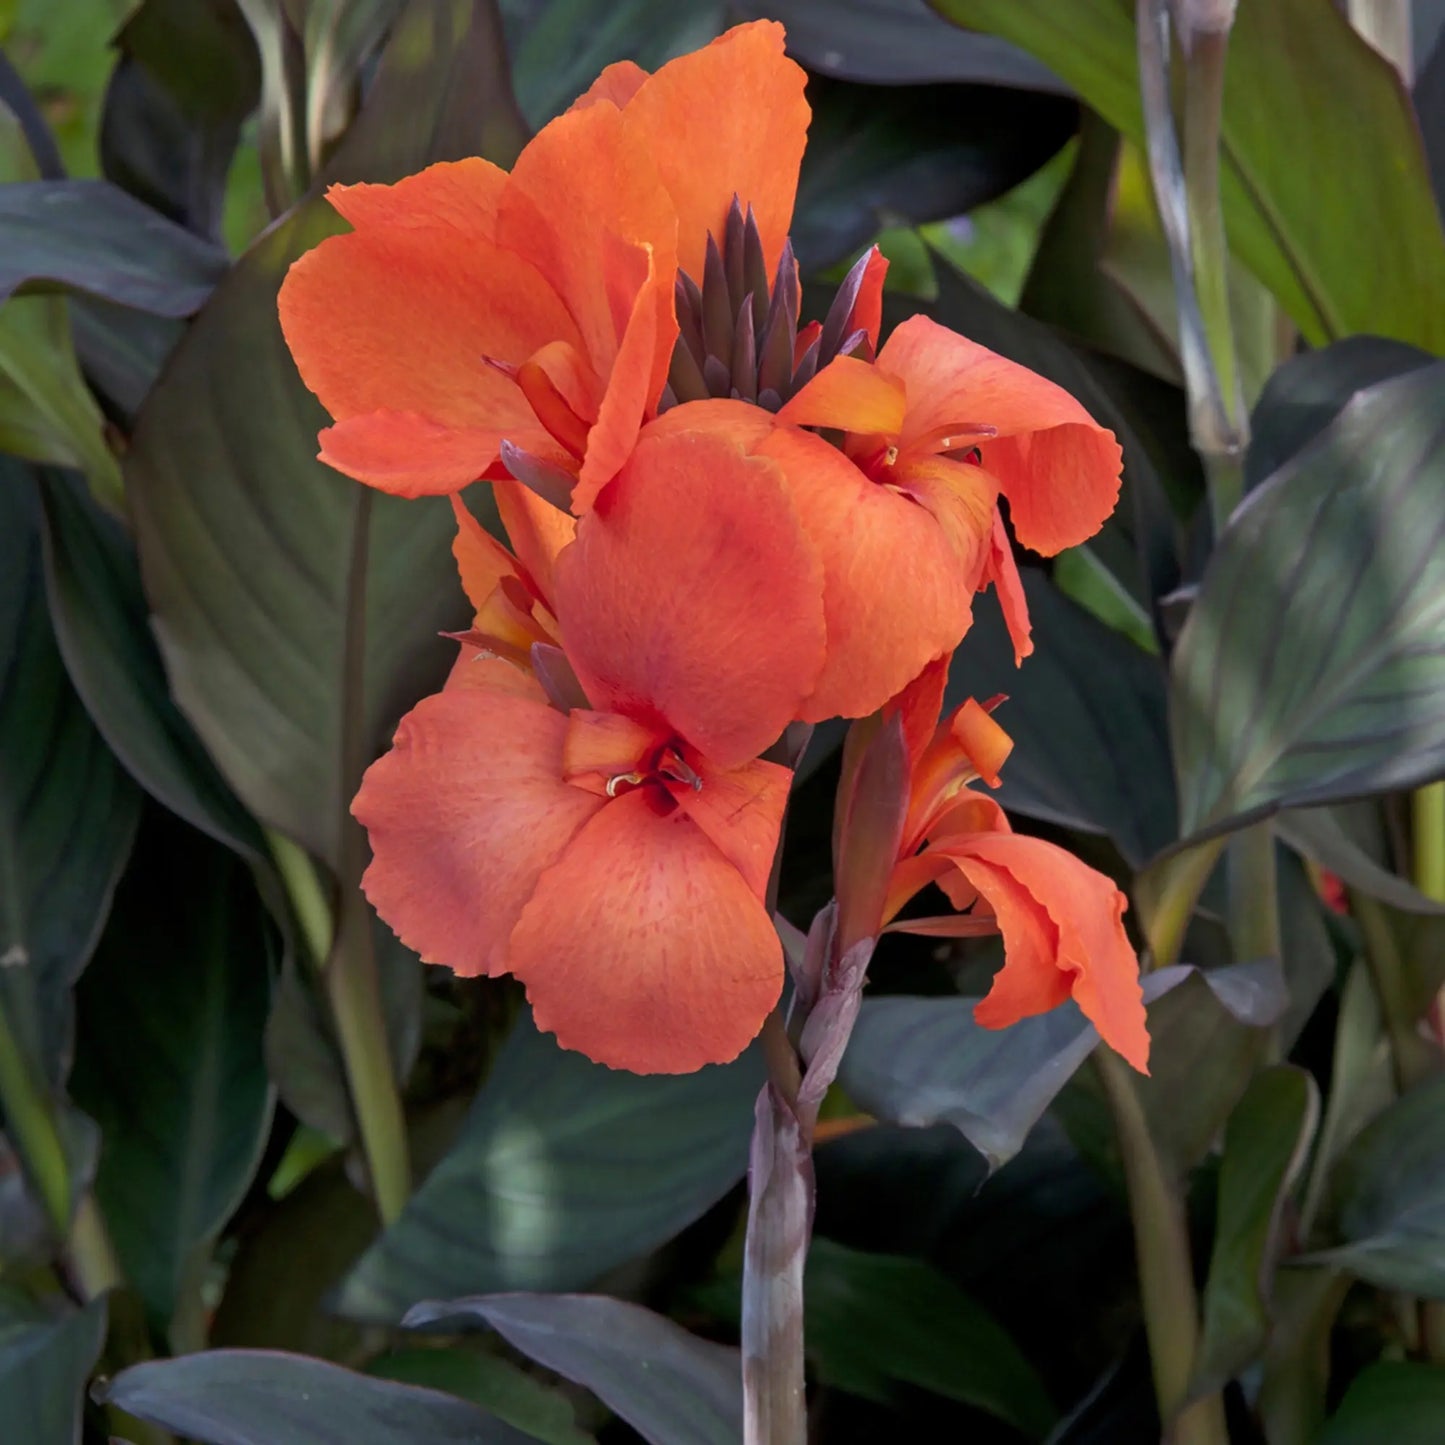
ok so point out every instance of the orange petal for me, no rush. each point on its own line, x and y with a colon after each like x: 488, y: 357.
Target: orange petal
x: 895, y: 596
x: 464, y: 813
x: 867, y: 314
x: 964, y: 502
x: 537, y: 531
x: 741, y: 811
x: 601, y: 745
x: 1063, y: 934
x: 919, y: 705
x: 643, y: 947
x: 482, y: 561
x: 692, y: 519
x: 1058, y: 467
x: 983, y: 742
x: 727, y: 120
x: 586, y: 205
x: 853, y: 395
x: 461, y: 194
x: 1003, y: 572
x: 618, y: 83
x: 399, y: 318
x: 911, y: 876
x: 413, y: 456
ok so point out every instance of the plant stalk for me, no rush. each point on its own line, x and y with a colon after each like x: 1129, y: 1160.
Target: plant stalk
x: 1253, y: 893
x: 31, y: 1118
x: 1166, y: 1269
x: 1167, y: 912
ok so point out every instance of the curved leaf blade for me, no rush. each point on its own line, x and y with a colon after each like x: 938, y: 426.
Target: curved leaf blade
x: 1312, y: 666
x: 44, y: 1361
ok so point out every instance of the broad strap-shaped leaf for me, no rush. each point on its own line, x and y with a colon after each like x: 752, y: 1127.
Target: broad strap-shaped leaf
x: 1326, y: 193
x: 1108, y: 770
x: 1312, y: 666
x: 260, y: 562
x: 169, y: 1063
x: 45, y: 1357
x: 91, y: 236
x: 562, y: 1170
x: 1265, y: 1144
x: 1390, y: 1401
x: 67, y: 810
x: 247, y: 1397
x: 877, y: 1321
x: 1332, y: 837
x: 102, y: 626
x: 670, y: 1386
x: 1386, y: 1204
x: 921, y: 1061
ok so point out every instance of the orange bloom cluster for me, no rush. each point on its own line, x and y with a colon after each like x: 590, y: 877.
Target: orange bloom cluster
x: 723, y: 523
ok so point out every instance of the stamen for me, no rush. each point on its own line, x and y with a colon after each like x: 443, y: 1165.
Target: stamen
x: 616, y: 782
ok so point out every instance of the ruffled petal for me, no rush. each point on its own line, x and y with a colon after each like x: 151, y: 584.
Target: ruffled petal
x: 964, y: 502
x: 741, y: 811
x: 1003, y: 572
x: 727, y: 120
x: 693, y: 518
x: 1063, y: 934
x: 643, y: 947
x: 618, y: 83
x: 895, y: 595
x: 464, y: 813
x: 1058, y: 467
x: 919, y: 706
x: 460, y: 194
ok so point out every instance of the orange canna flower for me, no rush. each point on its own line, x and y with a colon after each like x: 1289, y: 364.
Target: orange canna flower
x: 583, y: 806
x: 473, y: 313
x: 1061, y: 920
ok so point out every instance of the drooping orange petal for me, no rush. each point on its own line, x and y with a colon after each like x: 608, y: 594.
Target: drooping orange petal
x: 852, y: 395
x: 601, y: 745
x: 482, y: 561
x: 895, y: 595
x: 464, y: 813
x: 919, y: 706
x: 1063, y: 934
x: 537, y: 531
x: 727, y: 120
x: 911, y: 875
x: 1003, y: 572
x: 413, y: 456
x: 692, y: 596
x: 1058, y: 467
x: 399, y: 319
x: 741, y: 811
x: 981, y: 740
x: 461, y: 194
x: 643, y: 947
x: 618, y: 83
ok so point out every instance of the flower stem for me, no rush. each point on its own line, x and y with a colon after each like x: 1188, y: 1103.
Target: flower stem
x: 1428, y: 809
x: 1166, y: 1270
x: 1253, y: 894
x: 1167, y: 907
x: 31, y: 1117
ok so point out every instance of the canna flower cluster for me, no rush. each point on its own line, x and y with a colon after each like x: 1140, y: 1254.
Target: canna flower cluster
x: 722, y: 523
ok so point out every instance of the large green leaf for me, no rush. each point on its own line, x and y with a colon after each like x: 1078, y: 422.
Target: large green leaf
x: 1325, y: 189
x: 563, y: 1169
x: 67, y: 811
x: 260, y: 563
x: 1394, y: 1401
x: 1312, y: 666
x: 45, y: 1357
x: 169, y: 1063
x: 264, y: 1397
x: 1265, y: 1143
x: 1386, y: 1203
x: 1108, y: 769
x: 874, y: 1321
x: 671, y: 1387
x: 102, y: 625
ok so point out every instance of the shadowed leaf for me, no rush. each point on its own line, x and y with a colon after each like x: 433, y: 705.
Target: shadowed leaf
x: 44, y: 1360
x: 1394, y: 1401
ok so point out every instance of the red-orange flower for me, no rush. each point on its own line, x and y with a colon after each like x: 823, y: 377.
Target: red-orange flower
x: 596, y: 821
x: 469, y: 307
x: 1061, y: 920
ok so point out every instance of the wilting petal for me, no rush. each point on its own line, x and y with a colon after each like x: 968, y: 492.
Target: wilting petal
x: 691, y: 596
x: 852, y: 395
x: 1058, y: 467
x: 464, y: 813
x: 618, y: 83
x: 741, y: 811
x: 643, y: 947
x: 1063, y: 934
x: 727, y: 120
x: 413, y: 456
x: 460, y: 194
x: 399, y: 319
x: 1003, y: 572
x: 895, y: 594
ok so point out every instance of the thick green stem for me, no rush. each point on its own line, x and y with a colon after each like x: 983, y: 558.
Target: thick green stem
x: 1428, y: 809
x: 1253, y: 894
x: 1167, y: 907
x: 1412, y: 1056
x: 34, y: 1126
x: 1166, y: 1269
